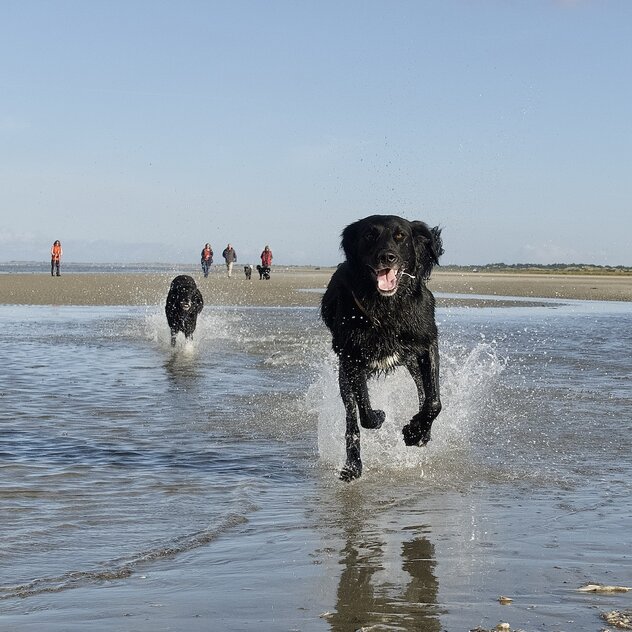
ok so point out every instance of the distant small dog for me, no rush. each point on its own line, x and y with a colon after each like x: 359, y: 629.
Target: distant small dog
x: 248, y: 272
x: 381, y: 315
x: 264, y: 272
x: 184, y: 303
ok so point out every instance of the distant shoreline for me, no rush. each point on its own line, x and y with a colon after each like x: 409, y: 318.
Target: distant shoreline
x: 529, y: 268
x: 287, y: 287
x: 40, y: 267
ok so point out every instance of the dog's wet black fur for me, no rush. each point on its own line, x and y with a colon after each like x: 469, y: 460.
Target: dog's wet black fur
x: 381, y: 315
x: 184, y: 303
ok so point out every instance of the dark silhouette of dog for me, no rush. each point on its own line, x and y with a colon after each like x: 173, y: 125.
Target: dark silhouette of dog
x: 264, y: 272
x: 248, y: 272
x: 184, y: 303
x: 381, y: 315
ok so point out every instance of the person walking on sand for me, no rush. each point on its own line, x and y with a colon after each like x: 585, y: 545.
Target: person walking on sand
x: 55, y: 257
x: 206, y: 259
x: 230, y: 256
x: 266, y: 263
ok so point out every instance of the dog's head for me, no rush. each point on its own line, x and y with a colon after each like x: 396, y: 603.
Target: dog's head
x: 386, y: 249
x: 183, y: 289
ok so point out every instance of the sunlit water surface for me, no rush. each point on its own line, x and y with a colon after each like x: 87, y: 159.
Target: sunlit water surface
x: 205, y: 477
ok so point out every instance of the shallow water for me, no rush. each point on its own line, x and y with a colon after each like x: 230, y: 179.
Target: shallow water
x: 145, y: 488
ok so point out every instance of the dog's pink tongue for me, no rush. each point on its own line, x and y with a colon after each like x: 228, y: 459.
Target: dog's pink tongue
x: 386, y: 279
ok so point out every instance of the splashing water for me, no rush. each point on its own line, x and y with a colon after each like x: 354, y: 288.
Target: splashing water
x: 468, y: 380
x: 212, y: 326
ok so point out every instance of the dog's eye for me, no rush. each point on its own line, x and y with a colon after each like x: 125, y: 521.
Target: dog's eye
x: 371, y: 235
x: 399, y: 236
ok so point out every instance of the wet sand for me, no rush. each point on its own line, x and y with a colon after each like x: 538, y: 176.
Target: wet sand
x: 294, y: 287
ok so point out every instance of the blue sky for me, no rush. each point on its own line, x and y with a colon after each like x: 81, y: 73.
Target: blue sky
x: 137, y: 131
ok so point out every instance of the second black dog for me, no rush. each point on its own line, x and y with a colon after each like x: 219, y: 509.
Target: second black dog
x: 381, y: 315
x: 184, y: 303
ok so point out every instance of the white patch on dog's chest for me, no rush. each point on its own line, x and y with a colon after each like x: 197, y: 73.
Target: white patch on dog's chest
x: 386, y: 363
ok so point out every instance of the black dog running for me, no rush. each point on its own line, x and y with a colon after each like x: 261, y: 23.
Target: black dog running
x: 381, y: 315
x: 184, y: 303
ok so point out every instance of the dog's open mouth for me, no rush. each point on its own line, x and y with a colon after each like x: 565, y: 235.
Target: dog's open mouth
x: 186, y: 305
x: 388, y: 280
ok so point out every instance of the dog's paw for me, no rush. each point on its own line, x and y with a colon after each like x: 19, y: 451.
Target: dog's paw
x: 374, y: 420
x: 415, y: 435
x: 351, y: 471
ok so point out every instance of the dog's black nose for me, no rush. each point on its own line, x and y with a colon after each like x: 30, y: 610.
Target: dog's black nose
x: 389, y: 257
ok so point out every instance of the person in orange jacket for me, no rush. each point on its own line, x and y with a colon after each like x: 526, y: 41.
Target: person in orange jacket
x: 55, y: 257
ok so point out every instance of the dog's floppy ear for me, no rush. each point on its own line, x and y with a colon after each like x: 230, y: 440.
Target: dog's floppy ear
x: 350, y: 239
x: 428, y: 246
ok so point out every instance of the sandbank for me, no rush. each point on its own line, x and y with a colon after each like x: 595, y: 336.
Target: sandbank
x: 294, y: 287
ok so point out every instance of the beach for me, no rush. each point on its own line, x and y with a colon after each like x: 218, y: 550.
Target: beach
x: 293, y: 287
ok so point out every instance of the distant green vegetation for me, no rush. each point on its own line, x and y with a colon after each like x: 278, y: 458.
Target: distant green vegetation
x: 551, y: 268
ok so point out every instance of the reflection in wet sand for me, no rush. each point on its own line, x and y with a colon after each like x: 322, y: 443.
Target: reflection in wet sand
x: 381, y: 587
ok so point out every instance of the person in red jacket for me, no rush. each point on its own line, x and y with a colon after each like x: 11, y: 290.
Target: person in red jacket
x: 55, y: 257
x: 266, y: 263
x: 206, y: 259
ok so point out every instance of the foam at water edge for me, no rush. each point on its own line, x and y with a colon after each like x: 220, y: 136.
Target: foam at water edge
x: 467, y: 386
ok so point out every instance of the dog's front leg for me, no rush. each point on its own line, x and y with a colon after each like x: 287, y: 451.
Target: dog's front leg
x: 188, y: 326
x: 425, y: 372
x: 353, y: 466
x: 369, y: 418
